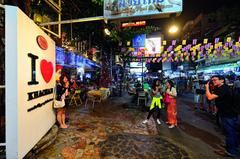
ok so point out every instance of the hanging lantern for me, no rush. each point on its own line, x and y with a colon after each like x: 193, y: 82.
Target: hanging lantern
x: 194, y: 41
x: 162, y: 49
x: 226, y: 44
x: 207, y: 46
x: 179, y: 53
x: 205, y: 41
x: 211, y: 46
x: 174, y: 42
x: 229, y: 39
x: 164, y: 42
x: 169, y: 48
x: 234, y: 48
x: 184, y: 42
x: 198, y: 47
x: 139, y: 54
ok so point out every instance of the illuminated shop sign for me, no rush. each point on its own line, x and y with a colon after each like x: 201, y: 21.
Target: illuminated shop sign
x: 134, y: 8
x: 71, y: 59
x: 135, y: 64
x: 153, y: 45
x: 139, y: 41
x: 133, y: 24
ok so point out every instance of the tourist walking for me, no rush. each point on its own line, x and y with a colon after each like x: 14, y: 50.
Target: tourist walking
x: 156, y: 103
x: 172, y: 104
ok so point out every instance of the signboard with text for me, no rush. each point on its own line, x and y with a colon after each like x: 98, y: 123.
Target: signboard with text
x: 134, y: 8
x: 30, y: 81
x: 139, y: 41
x: 153, y: 45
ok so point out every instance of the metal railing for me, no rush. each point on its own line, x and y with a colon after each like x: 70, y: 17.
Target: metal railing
x: 2, y: 6
x: 2, y: 87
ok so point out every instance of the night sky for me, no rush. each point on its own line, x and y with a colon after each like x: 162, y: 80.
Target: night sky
x: 192, y: 8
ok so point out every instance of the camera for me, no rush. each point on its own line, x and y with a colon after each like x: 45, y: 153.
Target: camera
x: 205, y: 82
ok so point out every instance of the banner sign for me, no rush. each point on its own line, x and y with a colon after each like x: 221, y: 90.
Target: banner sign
x: 133, y: 24
x: 30, y: 82
x: 153, y: 45
x: 139, y: 41
x: 134, y: 8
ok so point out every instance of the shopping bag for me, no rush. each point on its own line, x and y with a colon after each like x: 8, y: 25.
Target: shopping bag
x: 166, y: 98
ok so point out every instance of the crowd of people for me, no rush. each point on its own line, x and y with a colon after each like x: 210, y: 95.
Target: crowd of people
x: 214, y: 96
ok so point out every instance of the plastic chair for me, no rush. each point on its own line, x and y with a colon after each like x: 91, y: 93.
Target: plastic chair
x: 142, y: 96
x: 93, y: 99
x: 75, y: 98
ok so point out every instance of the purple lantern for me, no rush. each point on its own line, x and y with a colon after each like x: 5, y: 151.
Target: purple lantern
x: 194, y: 41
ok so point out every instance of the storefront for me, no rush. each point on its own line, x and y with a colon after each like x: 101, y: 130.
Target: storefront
x: 224, y: 69
x: 77, y: 66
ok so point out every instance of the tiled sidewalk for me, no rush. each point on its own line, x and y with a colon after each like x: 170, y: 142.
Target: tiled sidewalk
x: 113, y: 130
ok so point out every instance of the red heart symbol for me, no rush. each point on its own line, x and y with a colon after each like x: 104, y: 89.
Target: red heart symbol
x: 46, y: 70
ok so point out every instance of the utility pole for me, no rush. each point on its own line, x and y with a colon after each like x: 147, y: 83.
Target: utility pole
x: 142, y: 67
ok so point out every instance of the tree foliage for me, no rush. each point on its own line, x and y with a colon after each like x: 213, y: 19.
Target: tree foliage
x: 98, y: 2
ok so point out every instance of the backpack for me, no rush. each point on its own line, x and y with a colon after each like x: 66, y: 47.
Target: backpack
x: 236, y: 101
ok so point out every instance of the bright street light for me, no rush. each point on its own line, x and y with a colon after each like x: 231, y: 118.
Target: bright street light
x: 173, y: 29
x: 107, y: 32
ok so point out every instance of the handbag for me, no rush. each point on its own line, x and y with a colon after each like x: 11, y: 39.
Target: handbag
x: 59, y: 104
x: 166, y: 98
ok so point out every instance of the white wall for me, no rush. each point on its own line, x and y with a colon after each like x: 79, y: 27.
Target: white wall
x: 25, y: 128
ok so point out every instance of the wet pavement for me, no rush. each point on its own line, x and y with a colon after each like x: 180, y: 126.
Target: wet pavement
x: 115, y: 130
